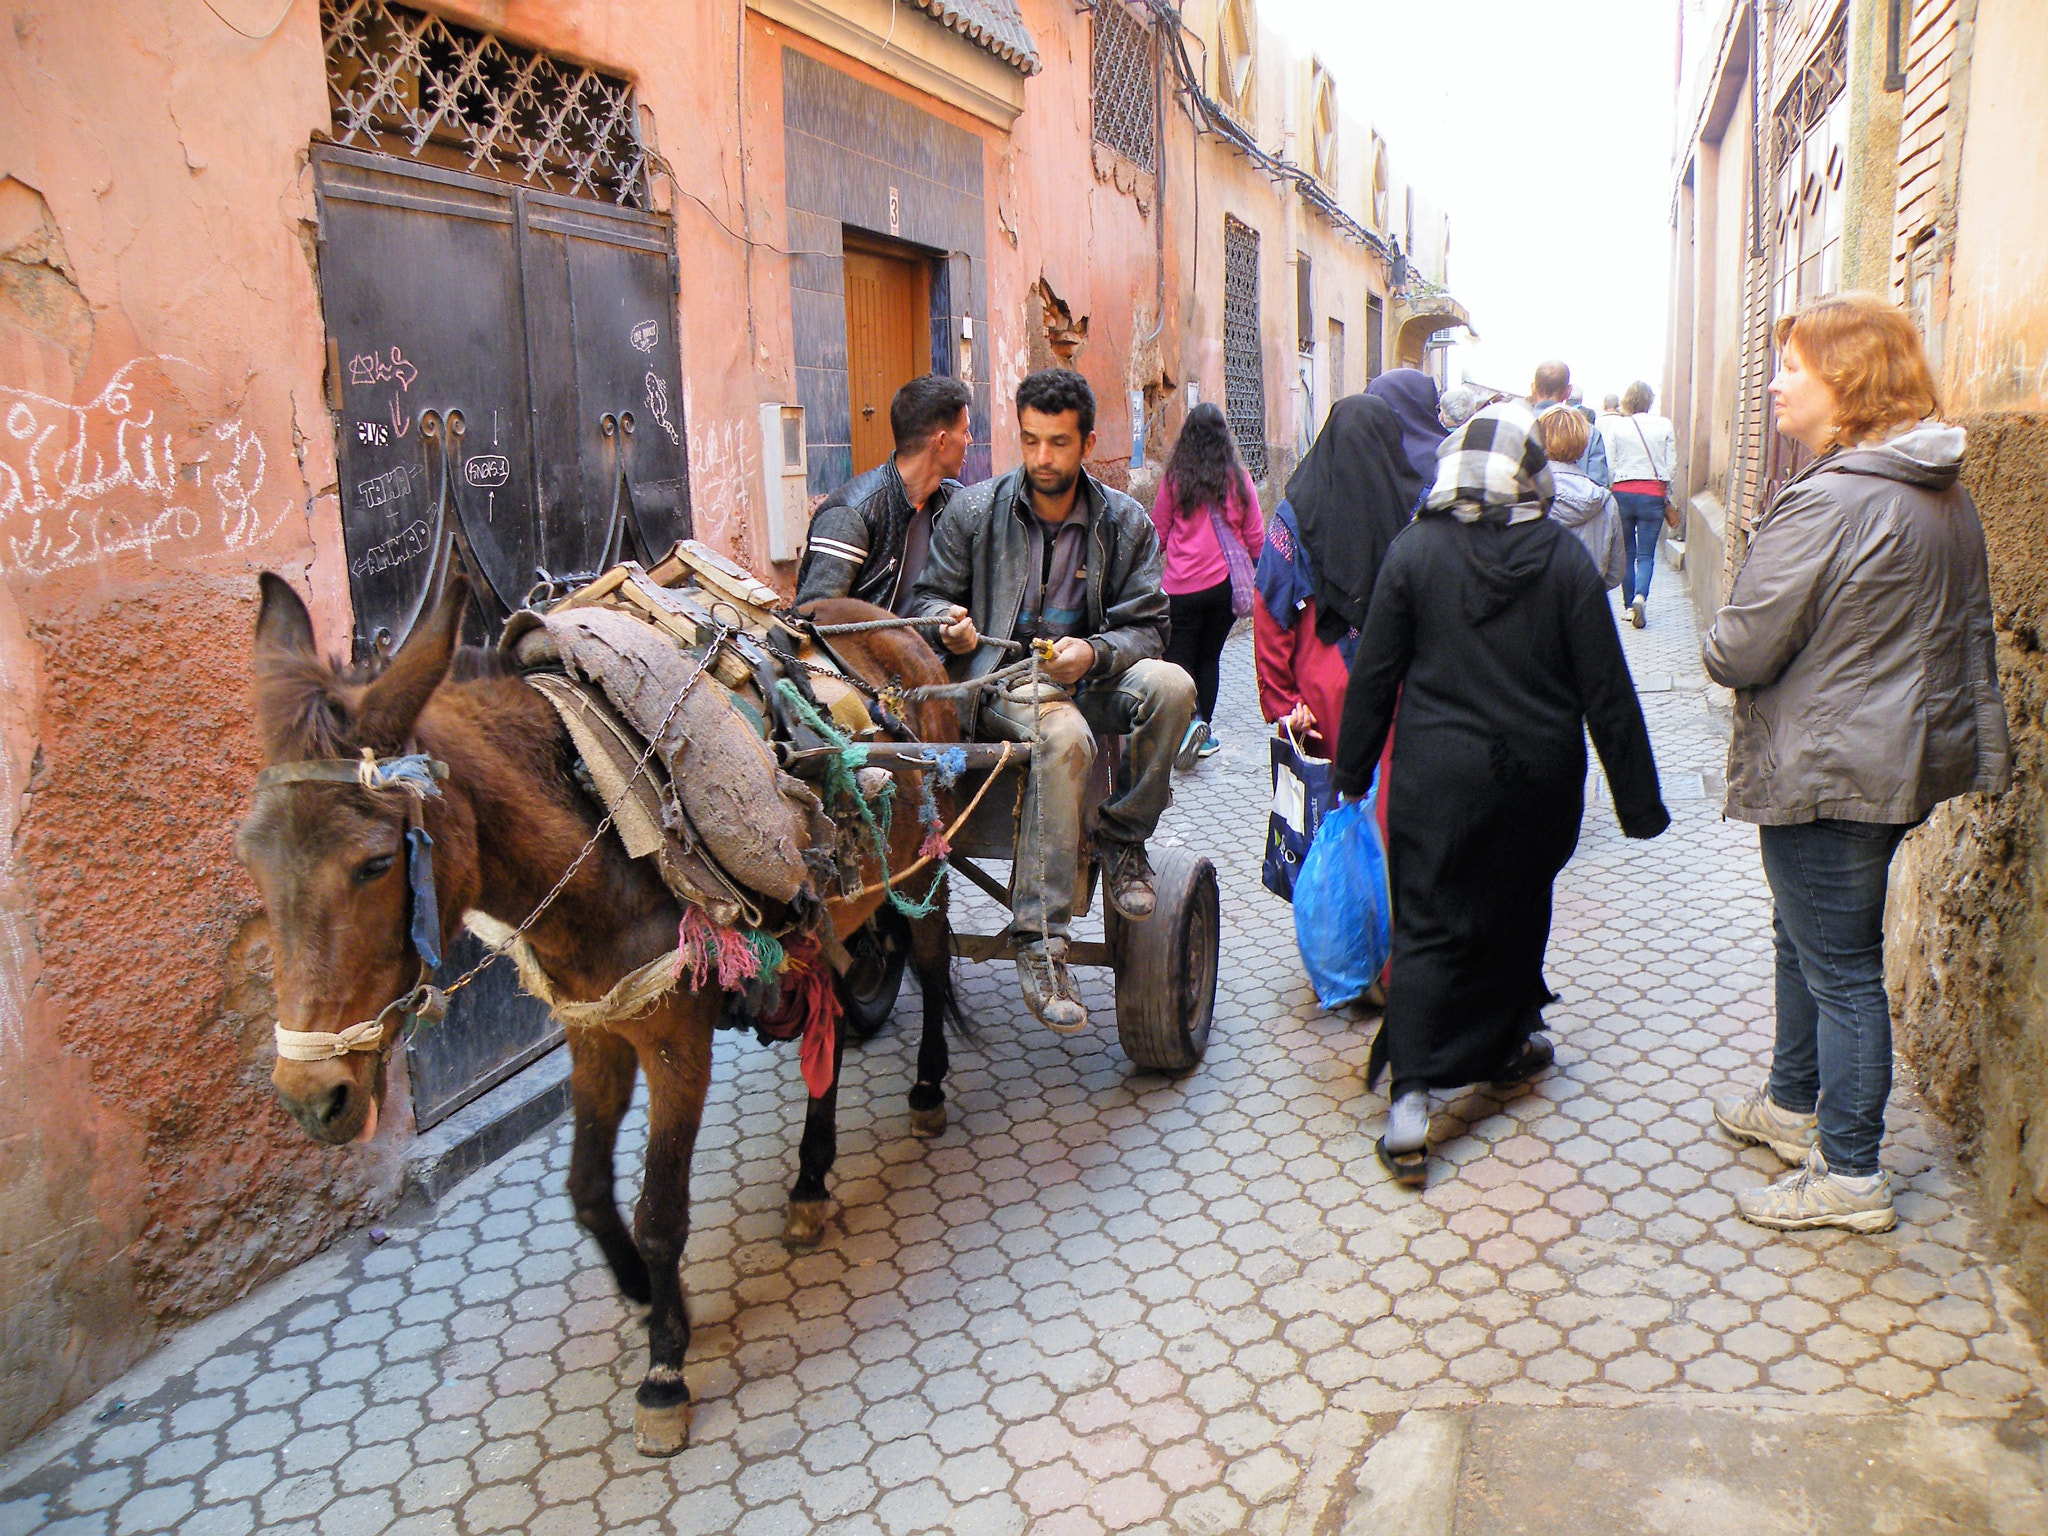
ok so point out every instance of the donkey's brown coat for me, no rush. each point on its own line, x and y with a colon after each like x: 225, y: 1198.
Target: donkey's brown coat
x: 330, y: 861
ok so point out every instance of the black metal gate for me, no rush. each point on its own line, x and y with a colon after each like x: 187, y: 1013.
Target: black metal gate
x: 507, y: 393
x: 507, y: 386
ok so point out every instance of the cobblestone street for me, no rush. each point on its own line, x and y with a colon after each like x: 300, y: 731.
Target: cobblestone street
x: 1105, y: 1301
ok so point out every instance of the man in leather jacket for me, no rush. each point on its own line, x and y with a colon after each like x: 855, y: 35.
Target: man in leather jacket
x: 870, y: 537
x: 1048, y: 554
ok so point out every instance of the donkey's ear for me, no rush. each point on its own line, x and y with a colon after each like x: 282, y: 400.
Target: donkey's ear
x: 282, y: 623
x: 391, y: 704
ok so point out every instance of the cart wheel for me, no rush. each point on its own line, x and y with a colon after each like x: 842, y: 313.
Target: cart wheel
x: 867, y: 992
x: 1166, y: 966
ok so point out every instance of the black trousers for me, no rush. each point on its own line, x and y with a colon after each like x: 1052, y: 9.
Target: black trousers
x: 1201, y: 623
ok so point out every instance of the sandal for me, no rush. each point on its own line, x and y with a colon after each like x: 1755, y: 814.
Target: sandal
x: 1536, y: 1054
x: 1410, y: 1169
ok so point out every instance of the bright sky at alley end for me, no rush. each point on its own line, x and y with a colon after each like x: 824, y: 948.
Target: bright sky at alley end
x: 1545, y: 132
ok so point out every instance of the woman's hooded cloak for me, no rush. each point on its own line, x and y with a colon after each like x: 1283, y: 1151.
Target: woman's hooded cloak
x: 1412, y: 394
x: 1351, y: 495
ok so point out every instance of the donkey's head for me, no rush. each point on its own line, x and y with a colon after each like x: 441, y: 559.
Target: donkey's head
x: 331, y: 858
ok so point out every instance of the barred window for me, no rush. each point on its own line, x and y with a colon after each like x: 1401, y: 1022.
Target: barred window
x: 411, y: 84
x: 1244, y: 378
x: 1120, y: 74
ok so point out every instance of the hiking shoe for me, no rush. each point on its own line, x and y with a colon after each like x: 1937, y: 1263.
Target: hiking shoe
x: 1128, y: 874
x: 1814, y: 1197
x: 1211, y: 744
x: 1758, y: 1119
x: 1048, y: 986
x: 1536, y: 1053
x: 1190, y: 744
x: 1635, y: 613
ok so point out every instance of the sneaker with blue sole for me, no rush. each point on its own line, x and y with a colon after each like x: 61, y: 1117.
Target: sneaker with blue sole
x: 1211, y: 744
x: 1190, y: 744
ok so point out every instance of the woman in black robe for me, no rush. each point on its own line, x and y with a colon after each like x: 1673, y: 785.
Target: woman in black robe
x: 1491, y: 624
x: 1351, y: 493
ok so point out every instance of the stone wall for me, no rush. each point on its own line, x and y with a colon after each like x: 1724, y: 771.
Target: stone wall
x: 1969, y: 901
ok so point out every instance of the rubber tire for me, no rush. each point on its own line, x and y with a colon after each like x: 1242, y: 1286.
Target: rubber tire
x: 867, y: 992
x: 1166, y: 966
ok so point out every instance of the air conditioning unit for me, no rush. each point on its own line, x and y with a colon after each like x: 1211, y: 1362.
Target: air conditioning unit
x: 785, y: 472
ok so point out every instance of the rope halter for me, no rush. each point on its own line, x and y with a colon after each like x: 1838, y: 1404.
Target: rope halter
x: 427, y: 1003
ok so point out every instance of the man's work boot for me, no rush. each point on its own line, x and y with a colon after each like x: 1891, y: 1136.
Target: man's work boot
x: 1128, y: 874
x: 1049, y: 990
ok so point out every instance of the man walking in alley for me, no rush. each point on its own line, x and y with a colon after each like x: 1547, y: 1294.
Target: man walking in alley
x: 1552, y: 390
x: 870, y: 538
x: 1047, y: 553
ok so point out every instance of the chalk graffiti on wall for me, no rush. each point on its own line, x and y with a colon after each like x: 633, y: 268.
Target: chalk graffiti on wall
x: 399, y: 549
x: 82, y: 483
x: 723, y: 464
x: 388, y: 487
x: 657, y: 402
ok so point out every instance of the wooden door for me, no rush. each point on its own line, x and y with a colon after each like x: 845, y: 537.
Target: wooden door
x: 888, y: 343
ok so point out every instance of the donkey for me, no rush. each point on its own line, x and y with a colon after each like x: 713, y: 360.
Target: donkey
x: 331, y: 862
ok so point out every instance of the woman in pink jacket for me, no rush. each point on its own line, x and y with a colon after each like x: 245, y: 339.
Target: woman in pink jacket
x: 1211, y: 532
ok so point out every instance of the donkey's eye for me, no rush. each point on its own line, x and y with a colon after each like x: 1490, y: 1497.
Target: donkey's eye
x: 372, y: 870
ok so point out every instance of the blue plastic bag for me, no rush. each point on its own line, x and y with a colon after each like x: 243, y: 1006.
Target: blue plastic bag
x: 1342, y: 915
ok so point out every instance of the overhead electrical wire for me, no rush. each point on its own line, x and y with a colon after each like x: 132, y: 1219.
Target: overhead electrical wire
x: 1210, y: 116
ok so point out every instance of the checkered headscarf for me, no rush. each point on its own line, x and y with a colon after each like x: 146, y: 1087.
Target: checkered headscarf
x: 1494, y: 462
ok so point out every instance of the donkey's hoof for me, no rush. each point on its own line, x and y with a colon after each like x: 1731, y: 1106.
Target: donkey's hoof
x: 928, y: 1122
x: 805, y: 1224
x: 660, y: 1431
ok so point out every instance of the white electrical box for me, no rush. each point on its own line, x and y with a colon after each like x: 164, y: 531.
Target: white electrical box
x: 785, y: 472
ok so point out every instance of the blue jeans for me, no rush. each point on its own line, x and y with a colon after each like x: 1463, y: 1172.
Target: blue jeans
x: 1834, y: 1047
x: 1641, y: 519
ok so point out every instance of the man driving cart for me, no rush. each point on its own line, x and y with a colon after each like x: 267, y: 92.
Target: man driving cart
x: 1048, y: 555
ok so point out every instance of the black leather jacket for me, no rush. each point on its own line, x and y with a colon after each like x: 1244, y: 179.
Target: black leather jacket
x: 981, y: 560
x: 856, y: 540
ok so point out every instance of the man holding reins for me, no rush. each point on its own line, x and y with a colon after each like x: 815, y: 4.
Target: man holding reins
x: 1047, y: 553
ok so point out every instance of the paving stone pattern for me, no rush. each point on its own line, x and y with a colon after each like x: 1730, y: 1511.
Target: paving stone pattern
x: 1109, y: 1301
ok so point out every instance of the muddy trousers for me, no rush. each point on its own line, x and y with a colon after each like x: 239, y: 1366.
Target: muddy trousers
x: 1151, y: 705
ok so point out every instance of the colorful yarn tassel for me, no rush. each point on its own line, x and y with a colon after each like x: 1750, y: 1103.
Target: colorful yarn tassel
x: 810, y: 1007
x: 704, y: 950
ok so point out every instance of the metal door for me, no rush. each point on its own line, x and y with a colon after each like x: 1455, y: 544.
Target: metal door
x: 507, y: 392
x: 508, y: 384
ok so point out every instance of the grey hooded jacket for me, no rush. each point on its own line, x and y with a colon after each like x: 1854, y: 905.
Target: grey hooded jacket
x: 981, y: 556
x: 1588, y: 509
x: 1858, y: 641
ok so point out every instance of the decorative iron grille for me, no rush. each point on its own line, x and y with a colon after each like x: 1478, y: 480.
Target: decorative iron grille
x: 1244, y: 376
x: 1121, y: 71
x: 412, y: 84
x: 1808, y: 98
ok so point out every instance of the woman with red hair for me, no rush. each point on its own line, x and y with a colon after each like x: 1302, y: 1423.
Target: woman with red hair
x: 1857, y: 638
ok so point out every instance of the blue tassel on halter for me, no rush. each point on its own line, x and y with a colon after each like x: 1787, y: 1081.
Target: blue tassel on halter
x: 426, y: 908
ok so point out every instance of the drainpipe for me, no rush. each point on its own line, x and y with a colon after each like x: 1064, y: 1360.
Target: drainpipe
x: 1159, y: 24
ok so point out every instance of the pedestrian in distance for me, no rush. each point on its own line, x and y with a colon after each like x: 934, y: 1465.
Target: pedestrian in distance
x: 1858, y: 639
x: 1586, y: 508
x: 1459, y: 404
x: 1610, y: 405
x: 1640, y: 449
x: 1210, y: 535
x: 1048, y: 553
x: 870, y: 538
x: 1490, y: 623
x: 1552, y: 387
